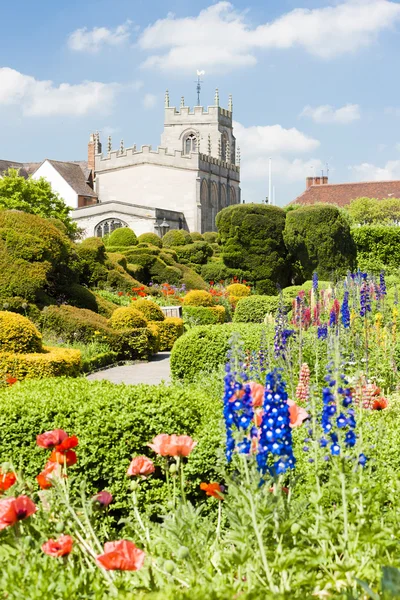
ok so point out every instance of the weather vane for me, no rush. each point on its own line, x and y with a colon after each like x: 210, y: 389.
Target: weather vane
x: 199, y: 82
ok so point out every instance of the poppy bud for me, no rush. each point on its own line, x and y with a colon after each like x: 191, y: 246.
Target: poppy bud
x: 169, y: 566
x: 183, y: 552
x: 172, y: 468
x: 60, y: 526
x: 295, y: 528
x: 134, y: 485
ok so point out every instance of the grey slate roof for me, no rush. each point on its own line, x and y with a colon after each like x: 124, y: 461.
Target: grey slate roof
x: 73, y: 174
x: 11, y: 164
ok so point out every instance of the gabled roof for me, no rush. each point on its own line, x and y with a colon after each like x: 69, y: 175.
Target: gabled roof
x: 341, y: 194
x: 11, y: 164
x: 73, y: 174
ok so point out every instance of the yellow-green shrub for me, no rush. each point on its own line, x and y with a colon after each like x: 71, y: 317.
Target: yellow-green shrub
x: 198, y: 298
x: 51, y: 362
x: 127, y: 317
x: 169, y: 331
x: 220, y: 312
x: 239, y: 290
x: 150, y: 309
x: 18, y: 334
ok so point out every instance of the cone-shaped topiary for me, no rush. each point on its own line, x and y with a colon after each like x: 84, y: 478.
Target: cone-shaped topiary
x: 18, y: 334
x: 127, y: 317
x: 150, y: 310
x: 122, y: 237
x: 198, y: 298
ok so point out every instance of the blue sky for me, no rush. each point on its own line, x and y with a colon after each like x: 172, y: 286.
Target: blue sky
x: 312, y: 81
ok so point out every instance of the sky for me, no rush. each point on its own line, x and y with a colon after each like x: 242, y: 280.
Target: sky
x: 315, y: 83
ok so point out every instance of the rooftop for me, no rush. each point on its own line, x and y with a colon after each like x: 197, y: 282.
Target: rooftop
x: 341, y: 194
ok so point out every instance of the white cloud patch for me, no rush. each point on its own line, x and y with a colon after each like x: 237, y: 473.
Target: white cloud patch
x: 370, y: 172
x: 220, y: 38
x: 328, y: 114
x: 42, y: 98
x: 85, y: 40
x: 149, y: 101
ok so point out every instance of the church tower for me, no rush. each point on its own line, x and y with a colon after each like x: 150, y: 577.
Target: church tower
x: 201, y: 130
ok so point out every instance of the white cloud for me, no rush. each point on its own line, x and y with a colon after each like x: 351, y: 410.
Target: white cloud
x: 370, y: 172
x: 220, y: 38
x: 149, y: 101
x: 328, y: 114
x: 84, y: 40
x: 43, y: 98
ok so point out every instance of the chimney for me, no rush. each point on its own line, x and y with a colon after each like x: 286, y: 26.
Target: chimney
x: 316, y: 181
x: 91, y: 152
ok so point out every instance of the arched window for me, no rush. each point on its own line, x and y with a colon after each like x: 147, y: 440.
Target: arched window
x: 108, y: 226
x: 190, y: 144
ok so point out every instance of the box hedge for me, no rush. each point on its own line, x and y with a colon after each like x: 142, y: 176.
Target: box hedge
x: 198, y: 298
x: 254, y: 308
x: 168, y: 331
x: 176, y: 237
x: 149, y: 309
x: 18, y: 334
x: 127, y: 317
x: 49, y: 362
x: 112, y: 423
x: 197, y: 252
x: 378, y: 247
x: 150, y: 238
x: 217, y: 271
x: 122, y: 236
x: 203, y: 315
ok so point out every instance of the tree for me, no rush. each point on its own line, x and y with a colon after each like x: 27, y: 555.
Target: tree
x: 371, y: 211
x: 34, y: 196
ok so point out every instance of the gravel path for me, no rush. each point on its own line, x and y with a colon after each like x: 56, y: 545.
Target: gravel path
x: 152, y: 372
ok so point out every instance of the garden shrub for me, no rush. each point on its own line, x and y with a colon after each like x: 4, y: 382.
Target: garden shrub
x: 133, y: 254
x: 216, y: 248
x: 210, y: 236
x: 378, y: 247
x: 81, y: 297
x: 199, y: 315
x: 121, y: 281
x: 21, y: 306
x: 117, y: 258
x: 318, y: 238
x: 18, y: 334
x: 239, y: 290
x: 122, y: 236
x: 150, y: 310
x: 217, y: 271
x: 196, y: 236
x: 92, y: 256
x: 127, y: 317
x: 176, y: 237
x: 135, y: 271
x: 49, y: 362
x: 150, y: 238
x: 293, y: 290
x: 169, y: 331
x: 196, y: 252
x: 105, y: 307
x: 71, y: 323
x: 254, y: 308
x: 198, y: 298
x: 191, y: 279
x: 113, y: 423
x: 252, y: 240
x: 205, y: 348
x: 162, y: 273
x: 220, y: 312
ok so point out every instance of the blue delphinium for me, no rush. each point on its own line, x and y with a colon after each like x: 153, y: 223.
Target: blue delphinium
x: 323, y: 331
x: 238, y: 412
x: 345, y: 312
x: 282, y: 333
x: 345, y: 420
x: 315, y: 282
x: 382, y: 283
x: 365, y: 300
x: 332, y: 318
x: 276, y: 434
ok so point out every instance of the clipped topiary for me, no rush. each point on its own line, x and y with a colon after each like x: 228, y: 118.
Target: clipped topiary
x: 127, y: 317
x: 318, y: 238
x: 150, y: 238
x: 217, y: 271
x: 168, y: 331
x: 123, y: 236
x: 239, y: 290
x: 254, y: 308
x: 198, y: 298
x: 176, y: 237
x: 150, y: 310
x: 18, y: 334
x: 192, y: 280
x: 211, y: 237
x: 252, y: 240
x: 196, y: 252
x: 196, y: 236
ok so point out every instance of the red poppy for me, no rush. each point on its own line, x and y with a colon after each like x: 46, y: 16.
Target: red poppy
x: 11, y: 380
x: 44, y: 478
x: 13, y: 510
x: 60, y: 547
x: 7, y: 480
x: 68, y: 458
x: 141, y: 465
x: 285, y: 490
x: 49, y: 439
x: 212, y: 489
x: 67, y: 444
x: 103, y: 498
x: 121, y: 556
x: 120, y: 293
x: 379, y: 403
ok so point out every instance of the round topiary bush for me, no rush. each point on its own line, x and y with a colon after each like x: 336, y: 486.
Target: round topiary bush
x: 211, y: 237
x: 18, y: 334
x: 198, y: 298
x: 176, y: 237
x: 239, y: 290
x: 122, y: 237
x: 127, y: 317
x: 150, y: 310
x: 254, y: 308
x: 196, y: 236
x: 150, y: 238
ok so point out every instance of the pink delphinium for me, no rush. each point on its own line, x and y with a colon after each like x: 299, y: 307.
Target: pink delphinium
x: 303, y: 388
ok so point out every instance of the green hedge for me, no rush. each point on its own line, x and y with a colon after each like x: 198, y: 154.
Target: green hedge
x: 176, y: 237
x: 199, y: 315
x: 122, y: 237
x: 150, y: 238
x: 318, y: 239
x: 216, y: 271
x: 378, y: 247
x: 196, y: 252
x: 254, y: 308
x: 112, y: 422
x: 204, y: 348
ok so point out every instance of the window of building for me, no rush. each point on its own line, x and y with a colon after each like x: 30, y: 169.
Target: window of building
x: 190, y: 144
x: 108, y: 226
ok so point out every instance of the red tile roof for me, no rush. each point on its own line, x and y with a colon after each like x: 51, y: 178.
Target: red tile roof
x: 342, y: 194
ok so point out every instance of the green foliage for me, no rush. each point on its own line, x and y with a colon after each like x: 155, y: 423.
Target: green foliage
x: 18, y: 334
x: 196, y: 236
x: 34, y: 196
x: 123, y: 236
x: 197, y: 252
x: 318, y: 238
x: 92, y: 256
x: 252, y: 240
x: 198, y: 298
x: 217, y: 271
x: 49, y: 362
x: 370, y: 211
x: 82, y: 297
x: 253, y: 309
x: 204, y: 349
x: 168, y: 331
x: 176, y: 237
x: 21, y: 306
x: 211, y: 237
x: 150, y: 310
x: 378, y: 247
x: 127, y: 317
x: 150, y: 238
x: 199, y: 315
x: 191, y: 279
